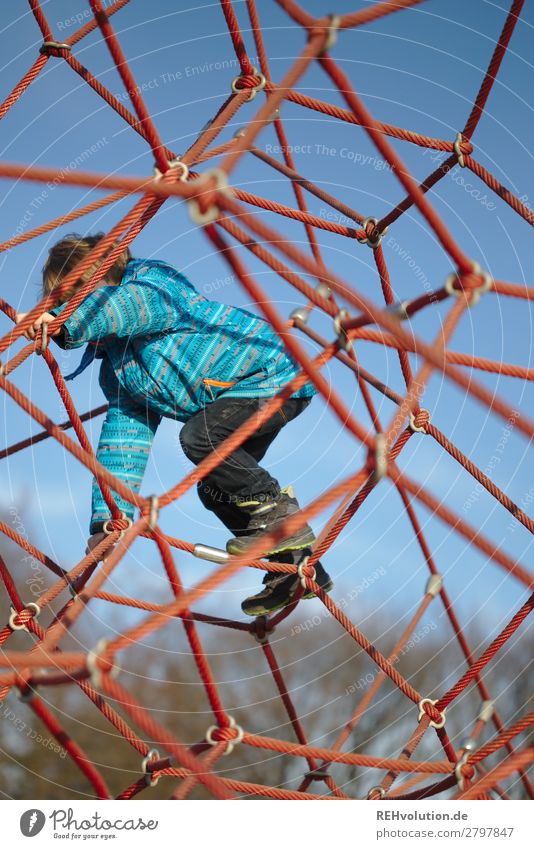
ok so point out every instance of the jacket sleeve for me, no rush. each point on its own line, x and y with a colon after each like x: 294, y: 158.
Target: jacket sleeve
x: 126, y: 310
x: 123, y: 449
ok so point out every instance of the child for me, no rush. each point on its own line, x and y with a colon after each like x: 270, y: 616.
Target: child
x: 168, y: 351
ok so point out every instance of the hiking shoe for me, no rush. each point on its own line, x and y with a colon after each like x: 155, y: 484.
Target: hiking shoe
x: 280, y: 589
x: 265, y: 515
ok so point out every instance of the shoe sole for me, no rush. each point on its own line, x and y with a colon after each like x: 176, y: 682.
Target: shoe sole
x: 264, y: 611
x: 237, y: 547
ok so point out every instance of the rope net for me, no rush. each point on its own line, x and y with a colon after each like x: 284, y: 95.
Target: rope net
x: 221, y: 210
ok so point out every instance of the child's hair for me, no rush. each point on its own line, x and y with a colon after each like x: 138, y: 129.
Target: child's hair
x: 71, y: 250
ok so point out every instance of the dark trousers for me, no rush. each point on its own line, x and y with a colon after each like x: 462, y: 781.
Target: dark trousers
x: 239, y: 476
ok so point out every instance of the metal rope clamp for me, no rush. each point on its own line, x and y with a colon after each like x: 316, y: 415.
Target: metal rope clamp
x: 332, y: 33
x: 399, y: 310
x: 31, y: 605
x: 422, y: 713
x: 413, y: 426
x: 377, y: 789
x: 323, y: 290
x: 258, y: 629
x: 468, y: 746
x: 342, y: 338
x: 95, y: 673
x: 230, y: 743
x: 152, y: 755
x: 154, y: 512
x: 474, y: 294
x: 457, y: 146
x: 302, y: 575
x: 212, y: 213
x: 44, y: 338
x: 47, y: 46
x: 434, y: 585
x: 107, y: 529
x: 255, y: 89
x: 300, y: 314
x: 210, y: 553
x: 303, y: 313
x: 173, y: 164
x: 373, y: 243
x: 380, y: 458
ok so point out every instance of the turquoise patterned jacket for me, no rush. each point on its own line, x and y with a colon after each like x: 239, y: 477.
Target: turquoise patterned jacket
x: 167, y: 351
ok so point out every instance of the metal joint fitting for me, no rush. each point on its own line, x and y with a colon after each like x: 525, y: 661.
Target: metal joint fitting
x: 373, y: 243
x: 107, y: 529
x: 230, y: 743
x: 332, y: 33
x: 381, y: 461
x: 377, y: 789
x: 173, y: 163
x: 399, y: 310
x: 434, y: 585
x: 44, y: 338
x: 255, y: 89
x: 342, y: 338
x: 31, y: 605
x: 152, y: 755
x: 412, y: 425
x: 303, y: 577
x: 422, y: 713
x: 323, y: 290
x: 47, y: 46
x: 154, y: 512
x: 95, y: 673
x: 301, y: 314
x: 487, y: 710
x: 212, y: 213
x: 474, y: 294
x: 210, y: 553
x: 460, y: 779
x: 458, y: 149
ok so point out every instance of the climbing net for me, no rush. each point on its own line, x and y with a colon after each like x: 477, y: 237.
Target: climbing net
x: 223, y: 211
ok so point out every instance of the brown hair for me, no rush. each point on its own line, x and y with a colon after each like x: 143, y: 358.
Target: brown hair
x: 71, y: 250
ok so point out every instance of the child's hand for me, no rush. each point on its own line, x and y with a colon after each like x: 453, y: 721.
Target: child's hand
x: 31, y: 331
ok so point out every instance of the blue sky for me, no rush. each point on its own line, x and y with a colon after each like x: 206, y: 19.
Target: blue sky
x: 419, y: 69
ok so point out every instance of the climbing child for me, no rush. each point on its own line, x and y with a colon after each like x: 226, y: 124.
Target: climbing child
x: 168, y: 351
